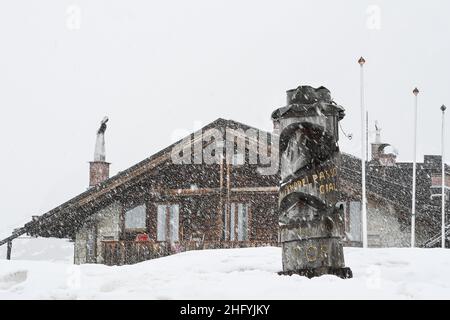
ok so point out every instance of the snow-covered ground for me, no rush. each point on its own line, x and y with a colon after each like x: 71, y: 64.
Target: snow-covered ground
x: 232, y: 274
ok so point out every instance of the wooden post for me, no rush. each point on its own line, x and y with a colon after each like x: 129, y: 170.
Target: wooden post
x: 8, y: 251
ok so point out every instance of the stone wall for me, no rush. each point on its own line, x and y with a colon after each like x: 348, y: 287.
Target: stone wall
x: 105, y: 225
x: 108, y: 226
x: 384, y: 228
x: 80, y: 247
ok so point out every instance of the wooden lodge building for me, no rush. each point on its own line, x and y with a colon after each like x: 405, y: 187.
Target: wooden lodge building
x: 156, y: 208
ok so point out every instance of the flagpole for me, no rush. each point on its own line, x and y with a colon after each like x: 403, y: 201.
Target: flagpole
x: 367, y: 135
x: 413, y: 206
x: 361, y: 62
x: 443, y: 179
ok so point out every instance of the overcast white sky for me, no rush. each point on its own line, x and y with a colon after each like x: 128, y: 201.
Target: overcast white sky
x: 157, y: 68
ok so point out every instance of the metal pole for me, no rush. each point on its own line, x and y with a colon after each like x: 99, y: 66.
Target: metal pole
x: 443, y: 178
x: 222, y: 209
x: 367, y: 135
x: 413, y: 207
x: 361, y: 62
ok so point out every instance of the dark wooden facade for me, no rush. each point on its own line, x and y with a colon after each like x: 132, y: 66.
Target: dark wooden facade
x: 202, y: 201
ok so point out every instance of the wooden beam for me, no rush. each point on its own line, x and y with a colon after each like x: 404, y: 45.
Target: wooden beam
x: 188, y: 192
x: 8, y: 251
x: 255, y: 189
x: 16, y: 234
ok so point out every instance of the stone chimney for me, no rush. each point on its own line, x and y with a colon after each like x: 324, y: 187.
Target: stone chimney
x: 99, y: 168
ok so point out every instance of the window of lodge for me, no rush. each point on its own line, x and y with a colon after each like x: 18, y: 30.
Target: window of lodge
x: 235, y: 222
x: 168, y: 221
x: 135, y: 218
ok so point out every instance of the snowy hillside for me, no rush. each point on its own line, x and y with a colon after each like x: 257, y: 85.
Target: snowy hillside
x: 233, y: 273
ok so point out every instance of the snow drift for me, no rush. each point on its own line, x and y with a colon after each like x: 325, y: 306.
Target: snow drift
x: 233, y: 274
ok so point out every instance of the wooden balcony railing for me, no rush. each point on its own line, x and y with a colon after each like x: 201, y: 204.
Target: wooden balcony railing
x: 130, y: 252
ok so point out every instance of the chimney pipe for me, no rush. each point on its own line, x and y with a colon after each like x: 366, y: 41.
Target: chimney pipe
x: 99, y: 168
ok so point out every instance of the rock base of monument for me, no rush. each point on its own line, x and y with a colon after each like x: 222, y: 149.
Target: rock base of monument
x: 344, y: 273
